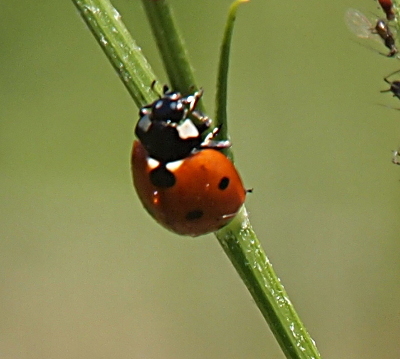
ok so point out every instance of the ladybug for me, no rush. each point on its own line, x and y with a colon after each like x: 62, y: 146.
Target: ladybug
x: 387, y: 7
x: 179, y: 173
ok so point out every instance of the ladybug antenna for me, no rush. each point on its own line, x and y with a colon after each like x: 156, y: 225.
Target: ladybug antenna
x: 165, y: 89
x: 152, y: 88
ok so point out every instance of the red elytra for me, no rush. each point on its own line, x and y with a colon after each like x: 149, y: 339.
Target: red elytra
x: 207, y: 194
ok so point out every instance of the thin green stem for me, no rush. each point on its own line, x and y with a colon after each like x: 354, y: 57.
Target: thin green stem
x: 171, y: 46
x: 222, y: 79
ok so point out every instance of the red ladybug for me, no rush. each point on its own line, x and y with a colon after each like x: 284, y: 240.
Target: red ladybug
x: 183, y: 180
x: 387, y: 7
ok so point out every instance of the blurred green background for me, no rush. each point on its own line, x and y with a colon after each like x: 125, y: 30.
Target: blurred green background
x: 86, y: 273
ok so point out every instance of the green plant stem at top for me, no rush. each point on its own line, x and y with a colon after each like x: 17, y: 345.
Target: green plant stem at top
x: 171, y: 47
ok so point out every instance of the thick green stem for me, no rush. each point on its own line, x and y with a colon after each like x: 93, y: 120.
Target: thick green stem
x: 105, y: 23
x: 243, y: 248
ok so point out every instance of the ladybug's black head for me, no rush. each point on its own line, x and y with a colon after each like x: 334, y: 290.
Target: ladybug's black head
x: 171, y: 128
x: 171, y: 107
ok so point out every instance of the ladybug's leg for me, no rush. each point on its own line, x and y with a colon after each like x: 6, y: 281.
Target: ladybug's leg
x: 216, y: 144
x: 192, y: 100
x: 204, y: 121
x: 209, y: 141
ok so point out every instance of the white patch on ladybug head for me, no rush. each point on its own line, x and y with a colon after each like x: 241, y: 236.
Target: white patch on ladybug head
x: 187, y: 130
x: 158, y: 104
x: 175, y: 105
x: 144, y: 123
x: 152, y: 163
x: 173, y: 166
x: 175, y: 96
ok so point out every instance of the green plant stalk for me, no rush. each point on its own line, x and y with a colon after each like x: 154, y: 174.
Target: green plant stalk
x: 117, y: 43
x: 243, y: 248
x: 221, y: 95
x: 171, y: 47
x: 238, y: 238
x: 222, y: 79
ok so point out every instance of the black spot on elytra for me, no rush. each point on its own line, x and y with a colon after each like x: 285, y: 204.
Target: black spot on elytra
x: 196, y: 214
x: 223, y: 183
x: 161, y: 177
